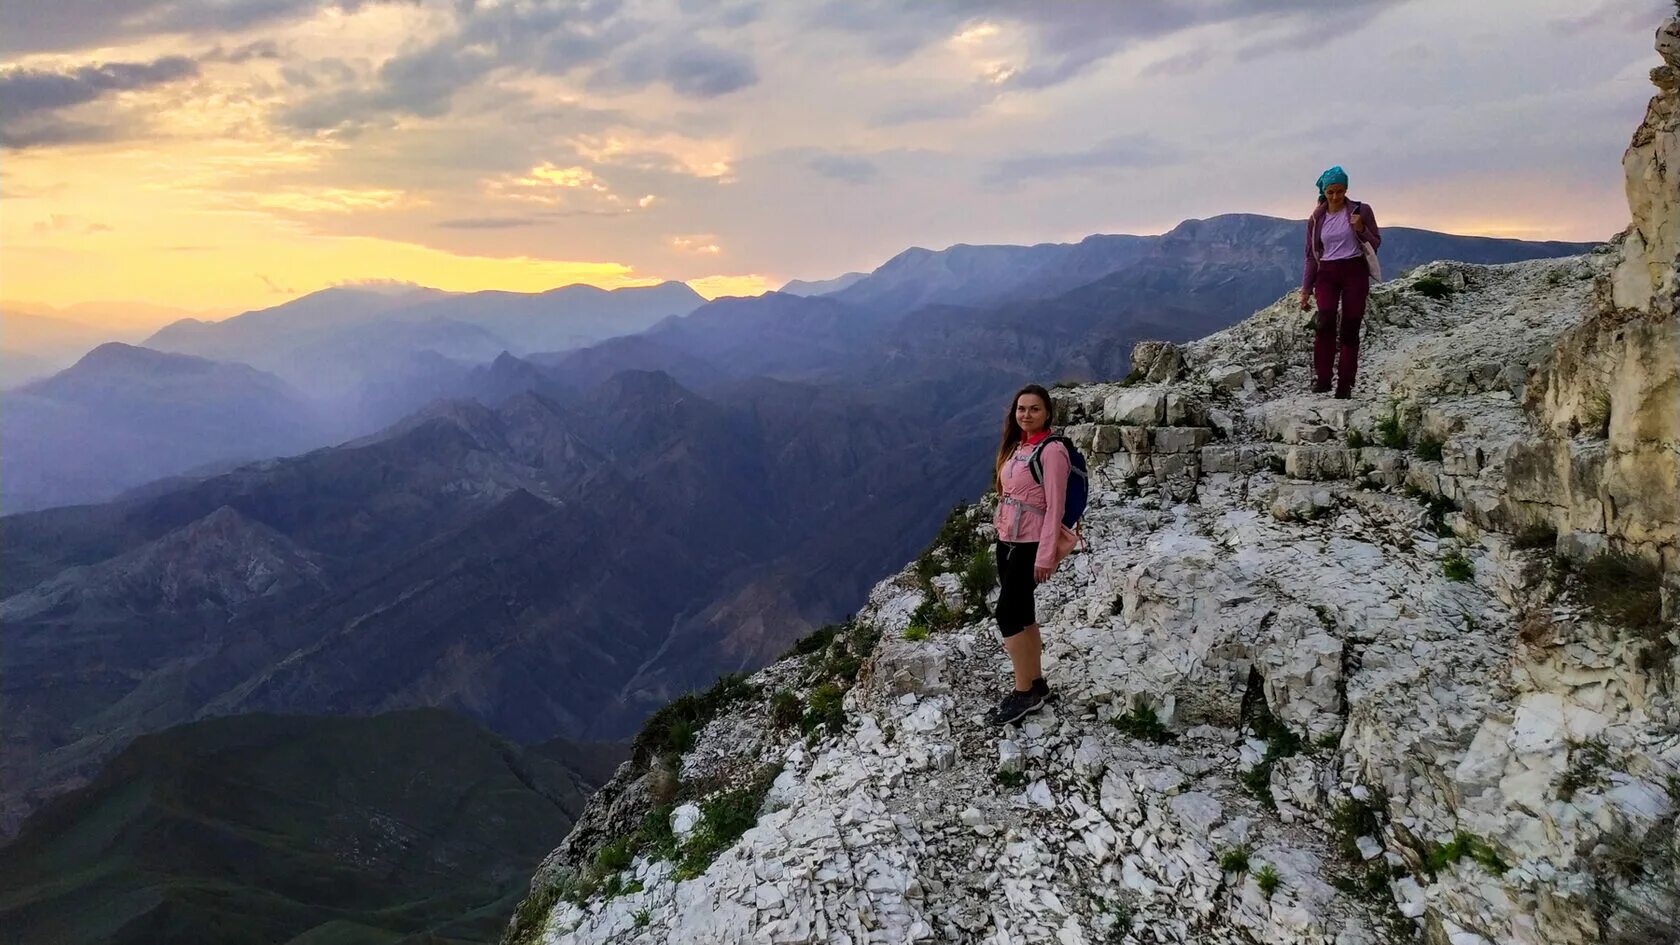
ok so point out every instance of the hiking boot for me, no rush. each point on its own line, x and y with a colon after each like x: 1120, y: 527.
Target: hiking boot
x: 1043, y: 688
x: 1015, y: 705
x: 1321, y: 387
x: 1344, y: 393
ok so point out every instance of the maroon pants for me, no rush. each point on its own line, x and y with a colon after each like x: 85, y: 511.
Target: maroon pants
x: 1340, y: 290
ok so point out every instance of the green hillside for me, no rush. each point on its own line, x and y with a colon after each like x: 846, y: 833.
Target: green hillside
x: 413, y: 826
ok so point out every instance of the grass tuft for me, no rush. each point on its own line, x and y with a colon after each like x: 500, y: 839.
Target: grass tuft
x: 1142, y: 723
x: 1457, y: 567
x: 1390, y: 432
x: 1268, y: 879
x: 1235, y: 860
x: 1429, y: 447
x: 1433, y: 287
x: 786, y: 709
x: 1596, y: 415
x: 1465, y: 844
x: 915, y: 633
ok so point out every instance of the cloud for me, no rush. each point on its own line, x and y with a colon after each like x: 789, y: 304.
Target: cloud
x: 1117, y: 153
x: 488, y: 223
x: 56, y: 25
x: 1618, y: 14
x: 609, y: 46
x: 1185, y: 63
x: 704, y: 244
x: 25, y: 91
x: 261, y: 49
x: 30, y: 99
x: 851, y: 170
x: 1061, y: 40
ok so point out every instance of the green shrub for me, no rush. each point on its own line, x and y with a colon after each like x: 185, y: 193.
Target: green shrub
x: 1268, y: 879
x: 673, y: 728
x: 1429, y: 447
x: 1142, y: 723
x: 615, y: 856
x: 656, y: 839
x: 1123, y: 918
x: 723, y: 819
x: 1596, y: 417
x: 1457, y: 567
x: 1281, y: 741
x: 642, y: 918
x: 1356, y: 440
x: 824, y: 709
x: 1390, y: 432
x: 934, y: 615
x: 1433, y: 287
x: 815, y: 642
x: 979, y: 577
x: 1012, y: 778
x: 1463, y: 844
x: 1235, y: 860
x: 915, y: 633
x: 785, y: 709
x: 1587, y: 761
x: 1349, y: 820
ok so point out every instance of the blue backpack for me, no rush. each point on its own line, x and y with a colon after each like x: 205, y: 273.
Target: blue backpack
x: 1078, y: 488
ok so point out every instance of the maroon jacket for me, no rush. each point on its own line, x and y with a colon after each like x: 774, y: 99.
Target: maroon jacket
x: 1315, y: 244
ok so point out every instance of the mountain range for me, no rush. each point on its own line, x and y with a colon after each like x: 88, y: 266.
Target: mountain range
x: 566, y: 541
x: 411, y: 826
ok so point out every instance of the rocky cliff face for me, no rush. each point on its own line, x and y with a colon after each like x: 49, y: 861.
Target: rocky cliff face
x: 1379, y: 670
x: 1606, y: 470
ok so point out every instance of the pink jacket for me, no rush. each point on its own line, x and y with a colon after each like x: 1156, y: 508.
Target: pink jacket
x: 1028, y: 511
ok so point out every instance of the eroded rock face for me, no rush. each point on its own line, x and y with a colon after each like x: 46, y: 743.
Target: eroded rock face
x: 1607, y: 397
x: 1646, y: 278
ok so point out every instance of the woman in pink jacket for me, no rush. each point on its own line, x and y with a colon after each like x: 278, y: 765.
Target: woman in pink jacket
x: 1029, y: 523
x: 1336, y: 273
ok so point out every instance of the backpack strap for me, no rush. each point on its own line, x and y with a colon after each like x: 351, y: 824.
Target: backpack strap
x: 1035, y: 462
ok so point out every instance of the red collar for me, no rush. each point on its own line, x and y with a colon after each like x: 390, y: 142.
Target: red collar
x: 1034, y: 439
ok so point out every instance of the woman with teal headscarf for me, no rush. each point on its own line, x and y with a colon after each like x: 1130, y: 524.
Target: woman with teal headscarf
x: 1339, y: 279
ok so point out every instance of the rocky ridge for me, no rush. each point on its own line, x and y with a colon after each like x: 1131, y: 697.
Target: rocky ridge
x: 1395, y: 668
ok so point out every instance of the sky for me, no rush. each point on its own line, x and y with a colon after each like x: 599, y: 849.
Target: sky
x: 225, y: 155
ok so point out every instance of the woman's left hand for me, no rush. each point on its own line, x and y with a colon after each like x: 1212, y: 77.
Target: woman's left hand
x: 1041, y: 574
x: 1358, y: 222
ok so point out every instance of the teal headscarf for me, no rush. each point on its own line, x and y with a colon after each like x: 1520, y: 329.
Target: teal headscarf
x: 1335, y: 175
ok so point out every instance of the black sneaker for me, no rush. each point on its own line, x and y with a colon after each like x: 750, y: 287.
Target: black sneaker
x: 1043, y: 689
x: 1015, y: 705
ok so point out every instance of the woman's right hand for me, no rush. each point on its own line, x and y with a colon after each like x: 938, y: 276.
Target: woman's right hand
x: 1306, y: 300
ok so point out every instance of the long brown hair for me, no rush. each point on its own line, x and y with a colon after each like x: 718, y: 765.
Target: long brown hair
x: 1012, y: 431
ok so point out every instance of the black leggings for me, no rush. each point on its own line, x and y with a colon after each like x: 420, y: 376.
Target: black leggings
x: 1015, y: 561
